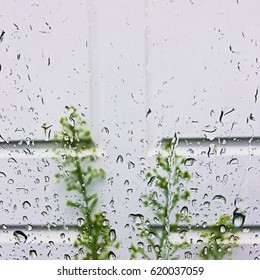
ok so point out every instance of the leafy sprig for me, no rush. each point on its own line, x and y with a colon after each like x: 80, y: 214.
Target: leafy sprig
x: 76, y: 156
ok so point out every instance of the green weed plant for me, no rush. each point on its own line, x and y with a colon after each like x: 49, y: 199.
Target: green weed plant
x: 168, y: 180
x: 75, y: 153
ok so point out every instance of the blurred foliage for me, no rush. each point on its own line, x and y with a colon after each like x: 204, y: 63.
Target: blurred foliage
x: 76, y: 157
x: 219, y: 240
x: 75, y: 153
x: 168, y: 179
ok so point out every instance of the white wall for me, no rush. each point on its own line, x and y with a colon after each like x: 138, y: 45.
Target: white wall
x: 194, y: 64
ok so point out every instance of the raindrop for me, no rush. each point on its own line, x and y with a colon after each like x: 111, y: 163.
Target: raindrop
x: 80, y: 222
x: 219, y: 199
x: 111, y: 255
x: 157, y: 248
x: 155, y: 195
x: 136, y: 218
x: 151, y: 235
x: 218, y: 240
x: 26, y: 204
x: 119, y: 159
x: 110, y: 181
x: 184, y: 210
x: 111, y: 203
x: 112, y: 235
x: 233, y: 161
x: 140, y: 245
x: 204, y: 225
x: 29, y: 227
x: 67, y: 257
x: 246, y: 230
x: 20, y: 236
x: 189, y: 161
x: 129, y: 191
x: 10, y: 181
x: 25, y: 218
x: 105, y: 129
x: 4, y: 227
x: 238, y: 219
x: 193, y: 202
x: 12, y: 160
x: 131, y: 165
x: 188, y: 255
x: 47, y: 179
x: 150, y: 182
x: 2, y: 175
x: 43, y: 213
x: 126, y: 183
x: 206, y: 204
x: 222, y: 228
x: 33, y: 253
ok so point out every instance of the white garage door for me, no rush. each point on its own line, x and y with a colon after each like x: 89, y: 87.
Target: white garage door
x: 140, y: 71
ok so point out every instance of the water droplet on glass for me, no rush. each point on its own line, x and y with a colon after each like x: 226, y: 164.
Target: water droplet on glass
x: 26, y: 204
x: 246, y: 230
x: 233, y: 161
x: 184, y: 210
x: 204, y: 224
x: 219, y: 199
x: 25, y: 218
x: 206, y: 204
x: 131, y: 165
x: 111, y: 255
x: 80, y: 222
x: 238, y: 219
x: 110, y: 181
x: 105, y: 129
x: 188, y: 255
x: 136, y: 218
x: 10, y: 181
x: 44, y: 213
x: 205, y: 250
x: 67, y: 257
x: 112, y: 235
x: 150, y: 182
x: 20, y: 236
x: 189, y: 161
x: 12, y: 160
x: 29, y: 227
x: 2, y: 175
x: 129, y: 191
x: 119, y: 159
x: 222, y: 228
x: 33, y: 253
x: 151, y: 235
x: 126, y: 183
x: 193, y: 202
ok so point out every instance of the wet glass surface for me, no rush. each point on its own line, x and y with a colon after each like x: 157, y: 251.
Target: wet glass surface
x: 162, y: 160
